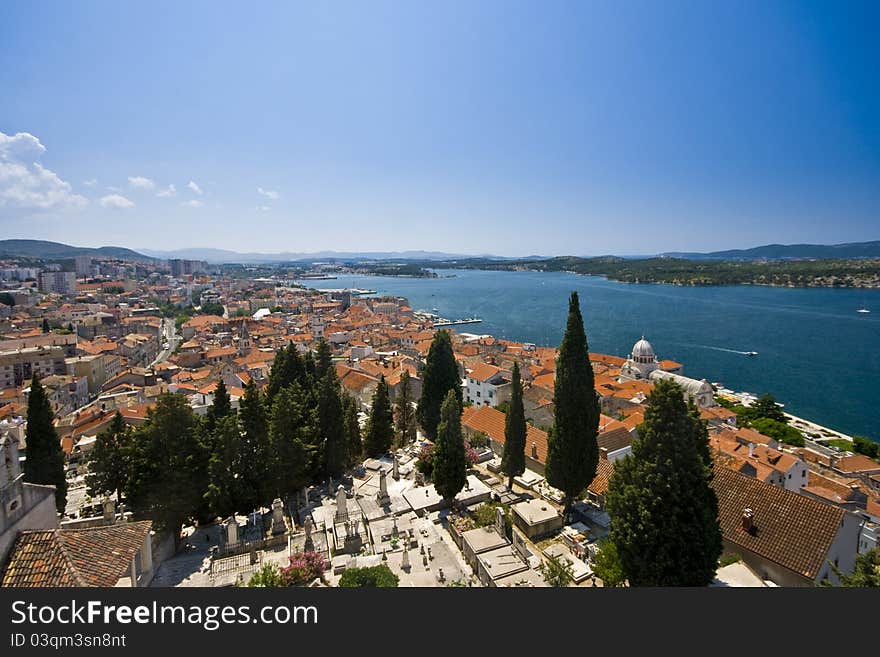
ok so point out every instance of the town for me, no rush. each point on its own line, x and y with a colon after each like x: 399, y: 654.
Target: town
x: 222, y: 426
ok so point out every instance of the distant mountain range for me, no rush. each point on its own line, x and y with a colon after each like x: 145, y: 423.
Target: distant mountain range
x: 221, y: 255
x: 45, y: 250
x: 790, y: 252
x: 55, y: 250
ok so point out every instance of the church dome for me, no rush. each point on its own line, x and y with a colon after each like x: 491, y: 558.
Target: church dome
x: 643, y: 349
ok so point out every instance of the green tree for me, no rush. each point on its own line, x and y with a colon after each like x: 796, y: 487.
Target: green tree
x: 287, y: 368
x: 404, y: 412
x: 109, y: 460
x: 866, y: 446
x: 352, y: 429
x: 572, y: 450
x: 225, y: 469
x: 380, y: 426
x: 268, y: 576
x: 768, y: 407
x: 221, y: 406
x: 44, y: 463
x: 323, y: 358
x: 450, y: 466
x: 664, y: 514
x: 778, y: 430
x: 557, y: 571
x: 439, y: 377
x: 866, y: 572
x: 374, y: 576
x: 292, y: 427
x: 256, y: 452
x: 169, y: 464
x: 331, y: 425
x: 513, y: 462
x: 607, y: 566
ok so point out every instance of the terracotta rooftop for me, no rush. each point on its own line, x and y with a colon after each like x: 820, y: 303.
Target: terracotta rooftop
x: 97, y: 556
x: 789, y: 529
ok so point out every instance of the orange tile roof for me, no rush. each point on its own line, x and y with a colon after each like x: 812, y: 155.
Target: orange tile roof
x: 483, y: 372
x: 96, y: 556
x: 491, y: 422
x: 790, y: 529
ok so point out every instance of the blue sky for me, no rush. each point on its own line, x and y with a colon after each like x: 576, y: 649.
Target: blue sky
x: 493, y: 127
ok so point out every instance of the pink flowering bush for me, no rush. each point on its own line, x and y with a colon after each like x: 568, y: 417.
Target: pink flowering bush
x: 304, y: 568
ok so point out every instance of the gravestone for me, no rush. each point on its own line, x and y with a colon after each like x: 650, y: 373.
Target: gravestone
x: 396, y: 471
x: 420, y: 478
x: 499, y: 521
x: 341, y: 503
x: 278, y: 526
x: 309, y: 545
x: 382, y: 496
x: 404, y: 561
x: 109, y: 509
x: 353, y: 542
x: 230, y: 530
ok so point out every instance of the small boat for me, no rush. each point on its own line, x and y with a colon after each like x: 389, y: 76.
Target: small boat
x: 751, y: 353
x: 863, y: 310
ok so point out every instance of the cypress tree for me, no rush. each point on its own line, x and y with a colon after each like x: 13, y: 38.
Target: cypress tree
x: 440, y: 376
x: 256, y: 452
x: 45, y: 458
x: 664, y: 514
x: 450, y: 465
x: 46, y: 328
x: 352, y: 429
x: 323, y: 358
x: 109, y: 460
x: 404, y: 413
x: 169, y: 465
x: 292, y: 426
x: 331, y: 426
x: 277, y: 373
x: 225, y: 469
x: 380, y: 427
x: 572, y: 450
x: 220, y: 407
x: 513, y: 462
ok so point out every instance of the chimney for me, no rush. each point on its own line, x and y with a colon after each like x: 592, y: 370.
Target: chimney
x: 748, y: 521
x: 751, y: 450
x: 603, y: 453
x: 534, y: 451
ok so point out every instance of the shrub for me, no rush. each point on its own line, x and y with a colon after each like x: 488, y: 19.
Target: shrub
x: 375, y: 576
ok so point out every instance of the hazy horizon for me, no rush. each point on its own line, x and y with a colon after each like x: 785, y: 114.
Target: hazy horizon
x: 502, y: 128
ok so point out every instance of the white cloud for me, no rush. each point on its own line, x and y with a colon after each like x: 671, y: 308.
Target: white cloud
x: 116, y: 201
x: 139, y: 182
x: 171, y: 190
x: 111, y: 188
x: 268, y: 193
x: 195, y: 188
x: 25, y: 183
x: 91, y: 182
x: 192, y: 204
x: 264, y: 208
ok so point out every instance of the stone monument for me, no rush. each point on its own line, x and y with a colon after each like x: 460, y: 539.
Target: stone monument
x: 341, y: 504
x: 382, y: 496
x: 404, y: 561
x: 396, y: 471
x: 499, y: 522
x: 278, y: 526
x: 309, y: 545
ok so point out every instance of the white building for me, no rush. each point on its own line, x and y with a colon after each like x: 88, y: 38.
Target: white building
x: 643, y: 364
x: 482, y: 384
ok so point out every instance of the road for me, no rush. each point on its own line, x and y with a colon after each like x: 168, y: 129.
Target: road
x: 167, y: 335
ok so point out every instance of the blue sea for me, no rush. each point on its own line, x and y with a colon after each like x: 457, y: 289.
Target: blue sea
x: 816, y: 354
